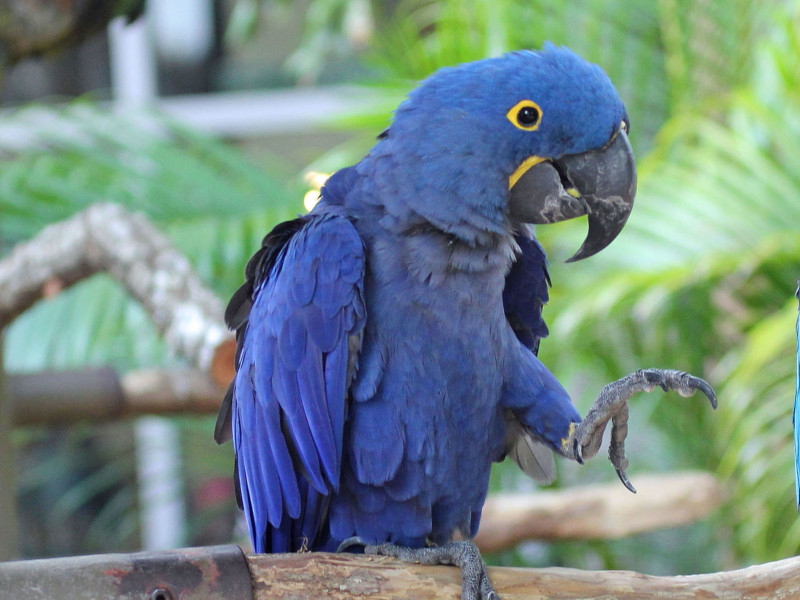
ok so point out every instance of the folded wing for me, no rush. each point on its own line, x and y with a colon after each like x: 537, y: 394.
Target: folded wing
x: 298, y: 320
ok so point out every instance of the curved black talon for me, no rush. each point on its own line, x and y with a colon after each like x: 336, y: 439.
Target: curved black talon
x: 612, y: 405
x: 350, y: 543
x: 576, y: 450
x: 703, y: 386
x: 625, y: 481
x: 682, y: 382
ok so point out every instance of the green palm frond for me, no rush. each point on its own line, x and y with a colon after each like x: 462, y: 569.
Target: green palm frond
x: 754, y: 437
x: 214, y: 204
x: 703, y: 279
x: 420, y: 37
x: 82, y: 154
x: 209, y: 199
x: 666, y: 58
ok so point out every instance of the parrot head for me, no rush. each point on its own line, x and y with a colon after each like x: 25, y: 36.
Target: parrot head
x: 528, y: 137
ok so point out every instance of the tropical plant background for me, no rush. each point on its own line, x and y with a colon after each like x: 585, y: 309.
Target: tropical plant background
x: 702, y: 278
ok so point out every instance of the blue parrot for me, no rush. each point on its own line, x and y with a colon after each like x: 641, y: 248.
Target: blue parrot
x: 795, y: 419
x: 387, y: 340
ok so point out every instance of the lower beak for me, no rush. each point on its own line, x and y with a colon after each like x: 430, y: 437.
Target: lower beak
x: 598, y: 183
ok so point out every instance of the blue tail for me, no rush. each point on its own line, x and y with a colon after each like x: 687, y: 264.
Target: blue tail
x: 795, y: 420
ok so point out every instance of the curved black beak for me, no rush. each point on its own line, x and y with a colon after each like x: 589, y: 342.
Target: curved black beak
x: 598, y: 183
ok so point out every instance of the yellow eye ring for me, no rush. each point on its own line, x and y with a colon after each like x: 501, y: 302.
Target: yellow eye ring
x: 525, y: 115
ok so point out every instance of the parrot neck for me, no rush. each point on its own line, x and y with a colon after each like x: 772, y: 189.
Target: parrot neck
x: 453, y: 200
x: 435, y: 230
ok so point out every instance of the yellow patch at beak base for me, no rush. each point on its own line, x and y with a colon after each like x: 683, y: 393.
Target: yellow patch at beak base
x: 523, y: 168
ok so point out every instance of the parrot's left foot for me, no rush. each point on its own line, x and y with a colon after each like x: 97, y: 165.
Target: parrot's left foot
x: 464, y: 554
x: 612, y: 404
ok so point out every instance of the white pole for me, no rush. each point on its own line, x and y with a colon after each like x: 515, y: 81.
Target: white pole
x: 163, y: 513
x: 134, y: 79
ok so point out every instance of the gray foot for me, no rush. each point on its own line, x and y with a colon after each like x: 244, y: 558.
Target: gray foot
x: 612, y: 404
x: 464, y: 554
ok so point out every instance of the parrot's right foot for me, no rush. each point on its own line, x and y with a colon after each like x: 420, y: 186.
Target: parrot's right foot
x: 475, y: 584
x: 612, y: 405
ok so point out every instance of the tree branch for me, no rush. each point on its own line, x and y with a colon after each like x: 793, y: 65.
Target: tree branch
x: 65, y: 397
x: 106, y: 237
x: 224, y: 572
x: 601, y: 511
x: 9, y: 546
x: 322, y: 576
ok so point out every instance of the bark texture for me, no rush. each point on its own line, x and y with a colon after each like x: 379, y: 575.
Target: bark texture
x: 106, y: 237
x: 66, y: 397
x: 343, y: 577
x: 600, y: 511
x: 223, y: 573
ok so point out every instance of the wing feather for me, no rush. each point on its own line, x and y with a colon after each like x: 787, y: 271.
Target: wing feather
x: 526, y: 292
x: 524, y: 297
x: 533, y: 457
x: 301, y: 305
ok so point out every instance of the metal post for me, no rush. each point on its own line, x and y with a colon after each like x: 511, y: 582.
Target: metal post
x: 134, y: 84
x: 8, y: 497
x: 213, y: 573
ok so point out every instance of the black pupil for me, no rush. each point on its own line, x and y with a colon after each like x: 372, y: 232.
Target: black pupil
x: 528, y: 116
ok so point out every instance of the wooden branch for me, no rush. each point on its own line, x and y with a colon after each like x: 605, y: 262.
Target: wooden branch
x: 170, y: 391
x: 222, y: 572
x: 63, y: 397
x: 9, y: 546
x: 321, y: 576
x: 602, y: 511
x: 106, y: 237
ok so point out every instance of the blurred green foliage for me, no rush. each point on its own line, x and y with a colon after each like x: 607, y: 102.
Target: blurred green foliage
x: 701, y: 279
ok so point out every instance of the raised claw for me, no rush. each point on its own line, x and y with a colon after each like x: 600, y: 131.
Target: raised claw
x: 625, y: 481
x: 612, y: 405
x: 616, y: 447
x: 703, y: 386
x: 680, y: 381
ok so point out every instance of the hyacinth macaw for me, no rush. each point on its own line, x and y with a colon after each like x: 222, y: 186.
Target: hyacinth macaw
x: 387, y: 340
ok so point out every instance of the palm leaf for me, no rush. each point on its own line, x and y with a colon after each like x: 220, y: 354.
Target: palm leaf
x: 703, y: 277
x: 213, y: 203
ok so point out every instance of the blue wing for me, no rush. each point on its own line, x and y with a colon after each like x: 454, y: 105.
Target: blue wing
x: 795, y: 419
x: 296, y: 319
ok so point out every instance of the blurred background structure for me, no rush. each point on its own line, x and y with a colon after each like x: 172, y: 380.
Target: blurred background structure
x: 207, y: 115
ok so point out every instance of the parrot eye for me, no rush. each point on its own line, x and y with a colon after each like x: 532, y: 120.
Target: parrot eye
x: 525, y: 115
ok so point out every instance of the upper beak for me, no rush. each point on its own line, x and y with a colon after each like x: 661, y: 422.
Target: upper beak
x: 598, y: 183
